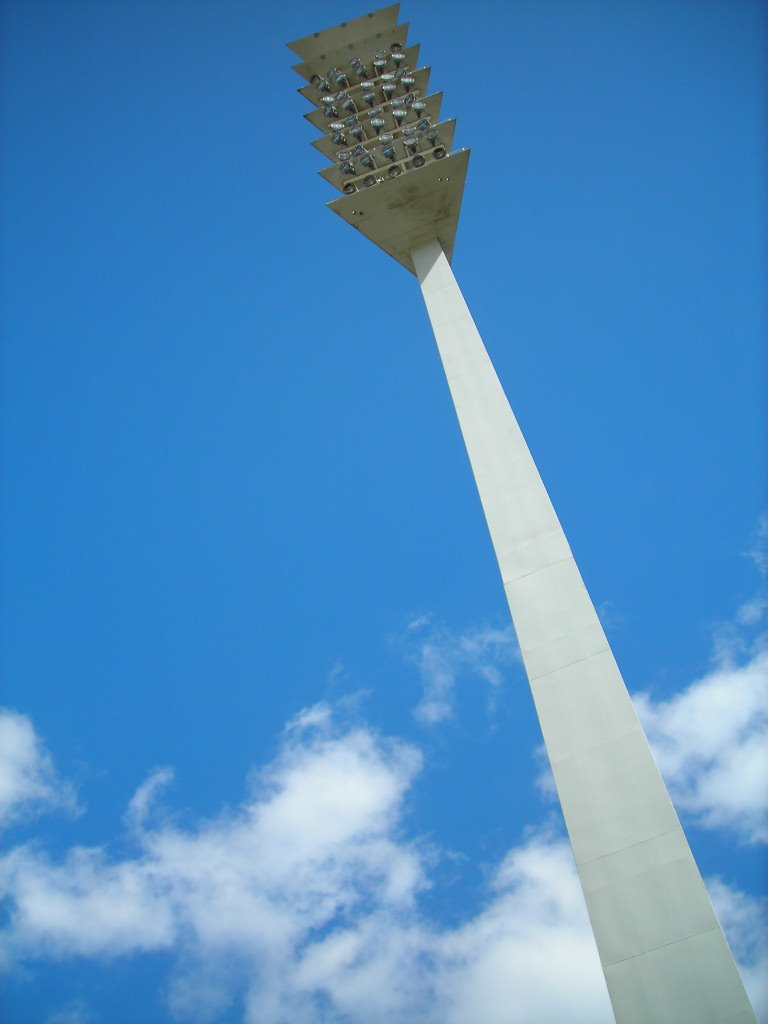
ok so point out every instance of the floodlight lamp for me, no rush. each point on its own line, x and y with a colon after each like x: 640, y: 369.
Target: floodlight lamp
x: 408, y: 82
x: 419, y: 106
x: 432, y: 135
x: 362, y: 71
x: 339, y: 139
x: 348, y: 168
x: 394, y: 170
x: 330, y: 112
x: 314, y: 79
x: 349, y: 187
x: 387, y: 77
x: 388, y: 89
x: 355, y: 62
x: 369, y: 180
x: 386, y: 139
x: 358, y: 151
x: 341, y: 80
x: 377, y: 123
x: 399, y: 114
x: 327, y: 101
x: 367, y: 84
x: 423, y: 124
x: 350, y: 122
x: 411, y: 143
x: 389, y: 152
x: 344, y: 154
x: 357, y: 131
x: 379, y: 53
x: 379, y: 63
x: 409, y: 100
x: 336, y: 126
x: 368, y: 161
x: 349, y: 104
x: 410, y: 129
x: 323, y: 85
x: 438, y: 152
x: 398, y: 57
x: 395, y: 47
x: 369, y: 98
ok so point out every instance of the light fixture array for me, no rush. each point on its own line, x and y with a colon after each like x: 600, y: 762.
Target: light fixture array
x: 372, y: 103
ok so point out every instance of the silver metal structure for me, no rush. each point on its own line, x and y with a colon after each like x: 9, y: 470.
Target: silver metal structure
x: 663, y: 952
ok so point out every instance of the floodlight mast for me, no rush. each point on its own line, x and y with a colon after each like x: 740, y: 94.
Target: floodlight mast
x: 663, y: 952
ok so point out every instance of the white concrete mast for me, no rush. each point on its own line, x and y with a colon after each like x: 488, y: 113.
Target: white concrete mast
x: 663, y: 952
x: 661, y: 946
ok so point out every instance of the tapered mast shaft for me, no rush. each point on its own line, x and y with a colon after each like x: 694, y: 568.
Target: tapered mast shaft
x: 663, y: 952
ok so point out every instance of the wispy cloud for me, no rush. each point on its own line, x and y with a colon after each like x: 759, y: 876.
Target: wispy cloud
x: 145, y: 798
x: 443, y: 656
x: 744, y: 920
x: 75, y: 1012
x: 29, y: 783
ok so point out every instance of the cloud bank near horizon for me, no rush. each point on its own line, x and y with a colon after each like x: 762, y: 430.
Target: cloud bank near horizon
x: 307, y: 901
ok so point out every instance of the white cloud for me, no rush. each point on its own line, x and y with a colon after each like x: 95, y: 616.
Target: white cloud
x: 306, y: 899
x: 744, y: 921
x: 442, y: 657
x: 75, y: 1012
x: 711, y: 739
x: 711, y: 743
x: 498, y: 968
x: 304, y: 904
x: 313, y: 846
x: 145, y: 797
x: 29, y: 783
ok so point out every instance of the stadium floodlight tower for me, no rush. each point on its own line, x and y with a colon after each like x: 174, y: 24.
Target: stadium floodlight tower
x: 663, y: 952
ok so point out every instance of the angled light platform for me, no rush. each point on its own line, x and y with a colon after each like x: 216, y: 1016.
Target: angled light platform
x: 392, y: 157
x: 402, y: 214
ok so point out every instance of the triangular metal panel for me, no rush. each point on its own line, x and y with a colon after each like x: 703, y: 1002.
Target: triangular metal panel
x: 403, y: 213
x: 334, y: 38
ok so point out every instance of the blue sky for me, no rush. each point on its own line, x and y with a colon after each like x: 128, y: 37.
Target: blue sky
x: 241, y: 547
